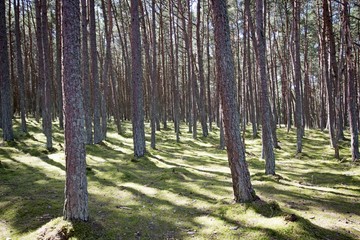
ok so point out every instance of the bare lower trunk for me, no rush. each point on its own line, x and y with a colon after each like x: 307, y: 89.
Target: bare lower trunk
x: 95, y: 75
x: 243, y: 190
x: 137, y: 86
x: 20, y: 67
x: 6, y: 108
x: 267, y: 139
x: 351, y: 87
x: 76, y: 195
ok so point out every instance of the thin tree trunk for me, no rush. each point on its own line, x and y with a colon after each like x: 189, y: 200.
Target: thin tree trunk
x: 95, y: 75
x: 201, y: 73
x: 20, y: 67
x: 297, y: 75
x: 6, y: 107
x: 47, y: 123
x: 85, y: 73
x: 351, y: 86
x: 209, y: 105
x: 137, y: 83
x: 331, y: 77
x: 59, y: 63
x: 267, y: 139
x: 248, y: 22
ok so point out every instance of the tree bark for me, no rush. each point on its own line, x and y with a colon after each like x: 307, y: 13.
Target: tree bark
x: 297, y: 75
x: 85, y: 73
x: 59, y: 64
x: 20, y: 67
x: 76, y: 195
x: 95, y: 75
x: 330, y: 75
x: 6, y: 107
x: 137, y: 83
x: 351, y: 86
x: 201, y: 73
x: 267, y: 139
x: 46, y: 111
x: 243, y: 190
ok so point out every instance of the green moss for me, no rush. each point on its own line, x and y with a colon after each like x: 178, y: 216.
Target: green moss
x: 180, y: 190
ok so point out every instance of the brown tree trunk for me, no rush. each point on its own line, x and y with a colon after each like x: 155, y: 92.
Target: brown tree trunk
x: 174, y: 73
x: 85, y: 73
x: 267, y: 139
x: 20, y: 67
x: 59, y: 63
x: 40, y: 78
x: 201, y: 74
x: 209, y: 105
x: 137, y: 82
x: 243, y: 190
x: 95, y: 75
x: 76, y: 195
x: 351, y: 86
x: 297, y: 75
x: 6, y: 107
x: 331, y: 75
x: 249, y: 68
x: 46, y: 111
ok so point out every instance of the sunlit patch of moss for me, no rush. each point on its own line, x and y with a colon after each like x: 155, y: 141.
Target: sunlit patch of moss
x: 181, y: 190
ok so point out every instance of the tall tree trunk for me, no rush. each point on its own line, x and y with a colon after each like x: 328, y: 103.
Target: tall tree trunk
x: 297, y: 75
x: 248, y: 23
x: 40, y: 78
x: 243, y: 190
x: 331, y: 76
x: 20, y: 67
x: 106, y: 68
x: 59, y: 63
x: 188, y: 67
x: 95, y: 75
x: 209, y: 105
x: 154, y: 77
x: 76, y: 195
x: 351, y: 86
x: 201, y: 73
x: 174, y: 72
x: 47, y: 123
x: 267, y: 139
x: 137, y: 83
x: 6, y: 107
x: 85, y: 73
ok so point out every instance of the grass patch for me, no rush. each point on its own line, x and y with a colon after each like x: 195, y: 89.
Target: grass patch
x: 180, y: 190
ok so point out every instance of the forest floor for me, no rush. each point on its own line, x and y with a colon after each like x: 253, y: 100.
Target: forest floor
x: 179, y: 191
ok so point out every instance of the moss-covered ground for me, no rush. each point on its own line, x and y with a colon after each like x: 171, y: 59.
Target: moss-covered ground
x: 179, y: 191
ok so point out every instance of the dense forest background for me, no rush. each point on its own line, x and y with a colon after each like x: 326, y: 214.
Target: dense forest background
x: 233, y: 66
x: 311, y: 64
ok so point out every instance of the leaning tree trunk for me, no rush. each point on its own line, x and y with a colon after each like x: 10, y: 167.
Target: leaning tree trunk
x: 242, y: 186
x: 137, y: 83
x: 76, y: 195
x: 6, y: 109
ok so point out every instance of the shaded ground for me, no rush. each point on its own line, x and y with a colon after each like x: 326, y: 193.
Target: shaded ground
x: 181, y: 190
